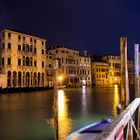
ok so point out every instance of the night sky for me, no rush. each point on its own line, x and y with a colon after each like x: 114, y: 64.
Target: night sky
x: 92, y: 25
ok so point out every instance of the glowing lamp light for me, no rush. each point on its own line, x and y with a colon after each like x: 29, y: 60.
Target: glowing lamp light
x: 60, y: 78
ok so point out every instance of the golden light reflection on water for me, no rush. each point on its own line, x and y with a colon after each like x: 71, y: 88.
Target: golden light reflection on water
x: 116, y: 99
x: 64, y: 122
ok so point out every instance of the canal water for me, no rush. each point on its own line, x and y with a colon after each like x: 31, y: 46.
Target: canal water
x: 30, y: 116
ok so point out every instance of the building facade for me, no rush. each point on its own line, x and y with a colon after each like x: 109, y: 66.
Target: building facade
x: 85, y: 70
x: 100, y: 73
x: 114, y: 63
x: 50, y: 67
x: 74, y: 69
x: 68, y: 68
x: 22, y: 59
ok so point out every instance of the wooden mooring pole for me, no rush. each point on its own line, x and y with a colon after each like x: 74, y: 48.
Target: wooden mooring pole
x: 56, y: 124
x: 136, y: 83
x: 124, y: 72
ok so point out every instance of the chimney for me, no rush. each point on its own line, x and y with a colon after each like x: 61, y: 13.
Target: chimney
x: 85, y: 53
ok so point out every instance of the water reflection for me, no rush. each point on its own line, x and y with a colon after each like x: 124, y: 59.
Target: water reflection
x: 62, y: 123
x: 65, y: 123
x: 84, y: 101
x: 116, y: 99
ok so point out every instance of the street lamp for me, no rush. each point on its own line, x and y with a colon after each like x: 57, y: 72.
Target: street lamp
x: 60, y: 80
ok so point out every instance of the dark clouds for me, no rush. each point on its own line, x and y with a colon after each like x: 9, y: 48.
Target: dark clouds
x: 81, y: 24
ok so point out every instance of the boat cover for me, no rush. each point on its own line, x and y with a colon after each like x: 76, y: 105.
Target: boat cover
x: 98, y: 128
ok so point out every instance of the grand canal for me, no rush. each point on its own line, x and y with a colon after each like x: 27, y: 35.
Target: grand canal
x: 30, y: 116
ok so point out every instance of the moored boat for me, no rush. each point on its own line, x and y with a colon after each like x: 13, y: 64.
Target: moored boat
x: 90, y: 132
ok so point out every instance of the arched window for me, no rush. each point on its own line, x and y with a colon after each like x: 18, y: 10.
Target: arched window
x: 27, y: 79
x: 23, y: 79
x: 27, y: 61
x: 19, y: 78
x: 14, y: 79
x: 9, y: 78
x: 23, y: 60
x: 31, y: 79
x: 42, y: 79
x: 39, y: 79
x: 34, y: 79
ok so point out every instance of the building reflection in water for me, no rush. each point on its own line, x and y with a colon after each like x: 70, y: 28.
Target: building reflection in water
x: 116, y: 99
x: 62, y: 123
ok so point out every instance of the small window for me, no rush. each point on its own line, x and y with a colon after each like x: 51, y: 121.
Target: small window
x: 42, y: 64
x: 19, y: 62
x: 31, y: 39
x: 34, y: 63
x: 35, y: 50
x: 2, y: 61
x: 9, y: 45
x: 23, y: 61
x: 34, y: 40
x: 19, y: 47
x: 9, y: 35
x: 9, y: 61
x: 23, y: 38
x: 31, y: 48
x: 23, y: 47
x: 42, y: 51
x: 50, y: 57
x: 19, y: 38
